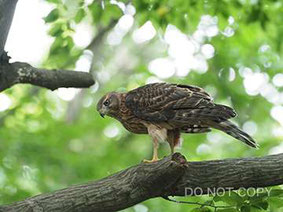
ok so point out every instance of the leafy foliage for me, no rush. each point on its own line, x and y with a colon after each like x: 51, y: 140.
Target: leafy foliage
x: 49, y: 141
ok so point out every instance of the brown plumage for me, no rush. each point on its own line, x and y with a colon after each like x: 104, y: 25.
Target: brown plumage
x: 164, y: 111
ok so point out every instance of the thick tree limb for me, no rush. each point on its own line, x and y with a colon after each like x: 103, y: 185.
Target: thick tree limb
x: 7, y: 9
x: 169, y: 176
x: 11, y: 74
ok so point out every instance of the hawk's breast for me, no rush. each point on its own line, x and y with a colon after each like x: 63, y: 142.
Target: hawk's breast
x: 135, y: 126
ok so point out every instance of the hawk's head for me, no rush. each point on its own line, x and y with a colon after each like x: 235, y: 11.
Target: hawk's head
x: 109, y: 105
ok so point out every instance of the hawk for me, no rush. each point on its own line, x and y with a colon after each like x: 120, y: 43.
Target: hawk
x: 164, y: 111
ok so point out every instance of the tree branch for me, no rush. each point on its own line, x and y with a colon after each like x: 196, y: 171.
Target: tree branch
x: 167, y: 177
x: 11, y: 74
x: 100, y: 35
x: 7, y: 9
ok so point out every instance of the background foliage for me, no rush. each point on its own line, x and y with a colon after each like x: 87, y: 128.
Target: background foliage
x: 49, y: 140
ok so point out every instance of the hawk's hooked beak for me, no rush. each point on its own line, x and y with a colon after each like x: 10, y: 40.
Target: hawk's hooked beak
x: 102, y: 111
x: 102, y: 115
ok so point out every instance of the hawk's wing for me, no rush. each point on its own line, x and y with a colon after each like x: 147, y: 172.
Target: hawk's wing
x: 180, y: 104
x: 188, y: 108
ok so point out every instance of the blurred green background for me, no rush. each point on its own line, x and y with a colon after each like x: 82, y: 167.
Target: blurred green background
x: 233, y: 49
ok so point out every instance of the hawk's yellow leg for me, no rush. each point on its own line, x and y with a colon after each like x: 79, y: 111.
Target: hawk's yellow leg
x: 155, y: 152
x: 172, y: 147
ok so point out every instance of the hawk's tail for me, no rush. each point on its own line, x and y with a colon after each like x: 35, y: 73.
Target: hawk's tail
x: 232, y: 130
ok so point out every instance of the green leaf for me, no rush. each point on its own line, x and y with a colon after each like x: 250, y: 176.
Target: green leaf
x: 202, y: 209
x: 276, y: 193
x: 111, y: 12
x: 142, y: 18
x: 276, y: 202
x: 227, y: 210
x: 80, y: 15
x: 52, y: 16
x: 246, y: 208
x: 261, y: 205
x: 54, y: 1
x: 231, y: 198
x: 96, y: 11
x: 56, y: 45
x: 69, y: 42
x: 56, y: 30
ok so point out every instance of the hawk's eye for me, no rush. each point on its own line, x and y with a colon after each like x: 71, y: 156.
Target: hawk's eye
x: 107, y: 102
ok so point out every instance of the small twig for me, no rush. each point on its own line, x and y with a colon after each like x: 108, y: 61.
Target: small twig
x: 198, y: 203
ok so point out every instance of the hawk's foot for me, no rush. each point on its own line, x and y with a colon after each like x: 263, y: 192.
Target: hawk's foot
x: 150, y: 161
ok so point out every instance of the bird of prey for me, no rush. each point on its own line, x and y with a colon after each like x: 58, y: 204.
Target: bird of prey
x: 164, y: 111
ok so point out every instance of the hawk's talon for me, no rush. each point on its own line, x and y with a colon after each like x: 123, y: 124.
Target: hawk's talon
x: 150, y: 161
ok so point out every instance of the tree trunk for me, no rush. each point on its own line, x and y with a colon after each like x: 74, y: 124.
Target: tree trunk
x: 7, y: 9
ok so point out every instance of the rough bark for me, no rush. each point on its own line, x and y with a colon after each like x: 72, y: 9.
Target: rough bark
x: 167, y: 177
x: 11, y: 74
x: 7, y: 9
